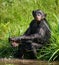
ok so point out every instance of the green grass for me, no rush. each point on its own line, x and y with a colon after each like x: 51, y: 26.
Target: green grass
x: 15, y: 16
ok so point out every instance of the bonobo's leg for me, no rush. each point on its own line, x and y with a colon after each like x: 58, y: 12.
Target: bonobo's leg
x: 30, y: 49
x: 19, y: 54
x: 30, y: 55
x: 25, y: 50
x: 36, y: 47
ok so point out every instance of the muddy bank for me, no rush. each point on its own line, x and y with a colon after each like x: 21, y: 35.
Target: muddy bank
x: 25, y: 62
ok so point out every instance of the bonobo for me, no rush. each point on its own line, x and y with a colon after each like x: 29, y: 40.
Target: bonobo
x: 34, y: 38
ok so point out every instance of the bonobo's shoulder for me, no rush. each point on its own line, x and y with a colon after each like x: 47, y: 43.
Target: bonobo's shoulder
x: 32, y: 22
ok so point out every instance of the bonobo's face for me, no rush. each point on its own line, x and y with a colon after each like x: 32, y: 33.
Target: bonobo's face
x: 38, y: 17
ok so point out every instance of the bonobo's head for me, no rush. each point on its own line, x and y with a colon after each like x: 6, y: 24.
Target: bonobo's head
x: 38, y: 15
x: 13, y: 42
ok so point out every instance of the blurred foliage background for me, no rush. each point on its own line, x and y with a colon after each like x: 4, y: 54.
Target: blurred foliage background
x: 15, y: 16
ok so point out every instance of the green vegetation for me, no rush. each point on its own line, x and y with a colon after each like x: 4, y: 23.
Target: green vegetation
x: 15, y: 16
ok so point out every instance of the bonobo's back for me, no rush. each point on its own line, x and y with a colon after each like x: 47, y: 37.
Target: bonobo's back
x: 46, y: 28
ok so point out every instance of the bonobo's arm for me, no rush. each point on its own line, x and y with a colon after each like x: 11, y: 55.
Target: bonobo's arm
x: 18, y: 39
x: 38, y: 35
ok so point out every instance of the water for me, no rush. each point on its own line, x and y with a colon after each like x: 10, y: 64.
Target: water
x: 25, y: 62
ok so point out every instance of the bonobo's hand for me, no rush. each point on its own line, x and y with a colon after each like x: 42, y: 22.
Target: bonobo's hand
x: 14, y: 39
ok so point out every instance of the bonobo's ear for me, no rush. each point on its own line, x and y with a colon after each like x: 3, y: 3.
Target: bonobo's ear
x: 44, y: 16
x: 33, y: 13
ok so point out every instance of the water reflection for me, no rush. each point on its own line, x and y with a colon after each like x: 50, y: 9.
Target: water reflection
x: 25, y: 62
